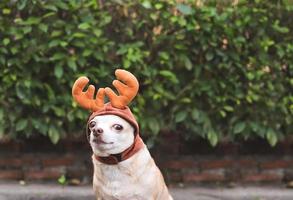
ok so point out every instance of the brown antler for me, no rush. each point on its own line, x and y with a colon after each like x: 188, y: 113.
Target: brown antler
x: 85, y: 99
x: 127, y: 90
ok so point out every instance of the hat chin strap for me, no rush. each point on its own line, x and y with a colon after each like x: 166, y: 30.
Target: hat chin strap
x: 114, y: 159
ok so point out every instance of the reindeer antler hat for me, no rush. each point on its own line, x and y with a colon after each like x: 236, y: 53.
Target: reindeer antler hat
x: 127, y: 89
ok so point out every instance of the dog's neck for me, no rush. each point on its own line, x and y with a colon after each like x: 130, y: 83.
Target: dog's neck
x: 114, y: 159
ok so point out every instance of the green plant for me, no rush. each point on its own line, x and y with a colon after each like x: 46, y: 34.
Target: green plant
x: 62, y: 180
x: 211, y: 71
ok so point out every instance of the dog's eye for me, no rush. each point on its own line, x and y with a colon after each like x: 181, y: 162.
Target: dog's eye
x: 117, y: 127
x: 92, y: 124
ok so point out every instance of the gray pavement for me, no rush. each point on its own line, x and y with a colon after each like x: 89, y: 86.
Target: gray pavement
x: 14, y: 191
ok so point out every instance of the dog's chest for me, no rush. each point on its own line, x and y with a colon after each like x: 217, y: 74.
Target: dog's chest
x: 128, y: 180
x: 118, y: 184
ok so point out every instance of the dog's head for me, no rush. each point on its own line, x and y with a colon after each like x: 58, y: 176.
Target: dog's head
x: 109, y: 134
x: 112, y: 127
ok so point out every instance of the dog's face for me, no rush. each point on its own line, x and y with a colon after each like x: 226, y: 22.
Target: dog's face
x: 110, y: 134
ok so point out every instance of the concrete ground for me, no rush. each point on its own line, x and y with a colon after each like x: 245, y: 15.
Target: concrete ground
x: 15, y: 191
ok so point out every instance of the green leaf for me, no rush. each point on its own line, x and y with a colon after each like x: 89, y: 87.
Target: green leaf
x: 31, y: 21
x: 1, y: 114
x: 47, y: 15
x: 6, y: 41
x: 22, y: 5
x: 2, y: 128
x: 79, y: 35
x: 147, y: 4
x: 6, y: 11
x: 43, y: 27
x: 212, y: 137
x: 63, y: 43
x: 71, y: 63
x: 254, y: 126
x: 209, y: 56
x: 98, y: 32
x: 87, y: 52
x: 14, y: 50
x: 271, y: 136
x: 229, y: 108
x: 195, y: 114
x: 184, y: 9
x: 51, y: 7
x: 57, y: 56
x: 62, y: 5
x: 21, y: 91
x: 54, y: 43
x: 56, y: 33
x: 59, y: 111
x: 223, y: 113
x: 280, y: 29
x: 84, y: 26
x: 158, y: 6
x: 154, y: 126
x: 27, y: 29
x: 187, y: 63
x: 58, y: 71
x: 239, y: 127
x: 21, y: 125
x: 40, y: 126
x: 180, y: 116
x: 62, y: 180
x: 170, y: 75
x: 53, y: 134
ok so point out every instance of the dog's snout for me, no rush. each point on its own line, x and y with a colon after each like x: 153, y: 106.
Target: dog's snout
x: 97, y: 131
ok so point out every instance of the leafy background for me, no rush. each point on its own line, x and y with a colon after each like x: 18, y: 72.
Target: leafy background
x: 214, y: 70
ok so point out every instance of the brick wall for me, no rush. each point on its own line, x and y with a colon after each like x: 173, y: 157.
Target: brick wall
x: 228, y: 169
x: 181, y: 162
x: 39, y: 159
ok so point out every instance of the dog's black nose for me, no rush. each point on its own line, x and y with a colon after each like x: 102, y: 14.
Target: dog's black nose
x: 97, y: 131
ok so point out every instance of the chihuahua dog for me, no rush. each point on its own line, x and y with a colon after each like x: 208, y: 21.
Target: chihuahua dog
x: 123, y: 166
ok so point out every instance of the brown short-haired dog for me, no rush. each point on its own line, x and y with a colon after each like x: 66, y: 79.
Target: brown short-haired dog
x: 123, y: 166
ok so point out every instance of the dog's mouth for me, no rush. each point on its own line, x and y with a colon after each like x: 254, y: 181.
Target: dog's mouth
x: 101, y: 142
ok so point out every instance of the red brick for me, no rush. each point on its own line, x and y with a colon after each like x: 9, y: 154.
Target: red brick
x: 10, y: 162
x: 248, y: 171
x: 288, y: 175
x: 171, y: 143
x: 262, y: 177
x: 216, y: 164
x: 179, y: 164
x: 77, y: 173
x: 11, y: 174
x: 10, y: 146
x: 203, y: 177
x: 275, y: 164
x: 174, y: 177
x: 61, y: 161
x: 30, y: 159
x: 232, y: 175
x: 42, y: 175
x: 246, y: 163
x: 227, y: 148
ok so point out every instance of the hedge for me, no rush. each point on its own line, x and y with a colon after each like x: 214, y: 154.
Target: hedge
x: 210, y: 70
